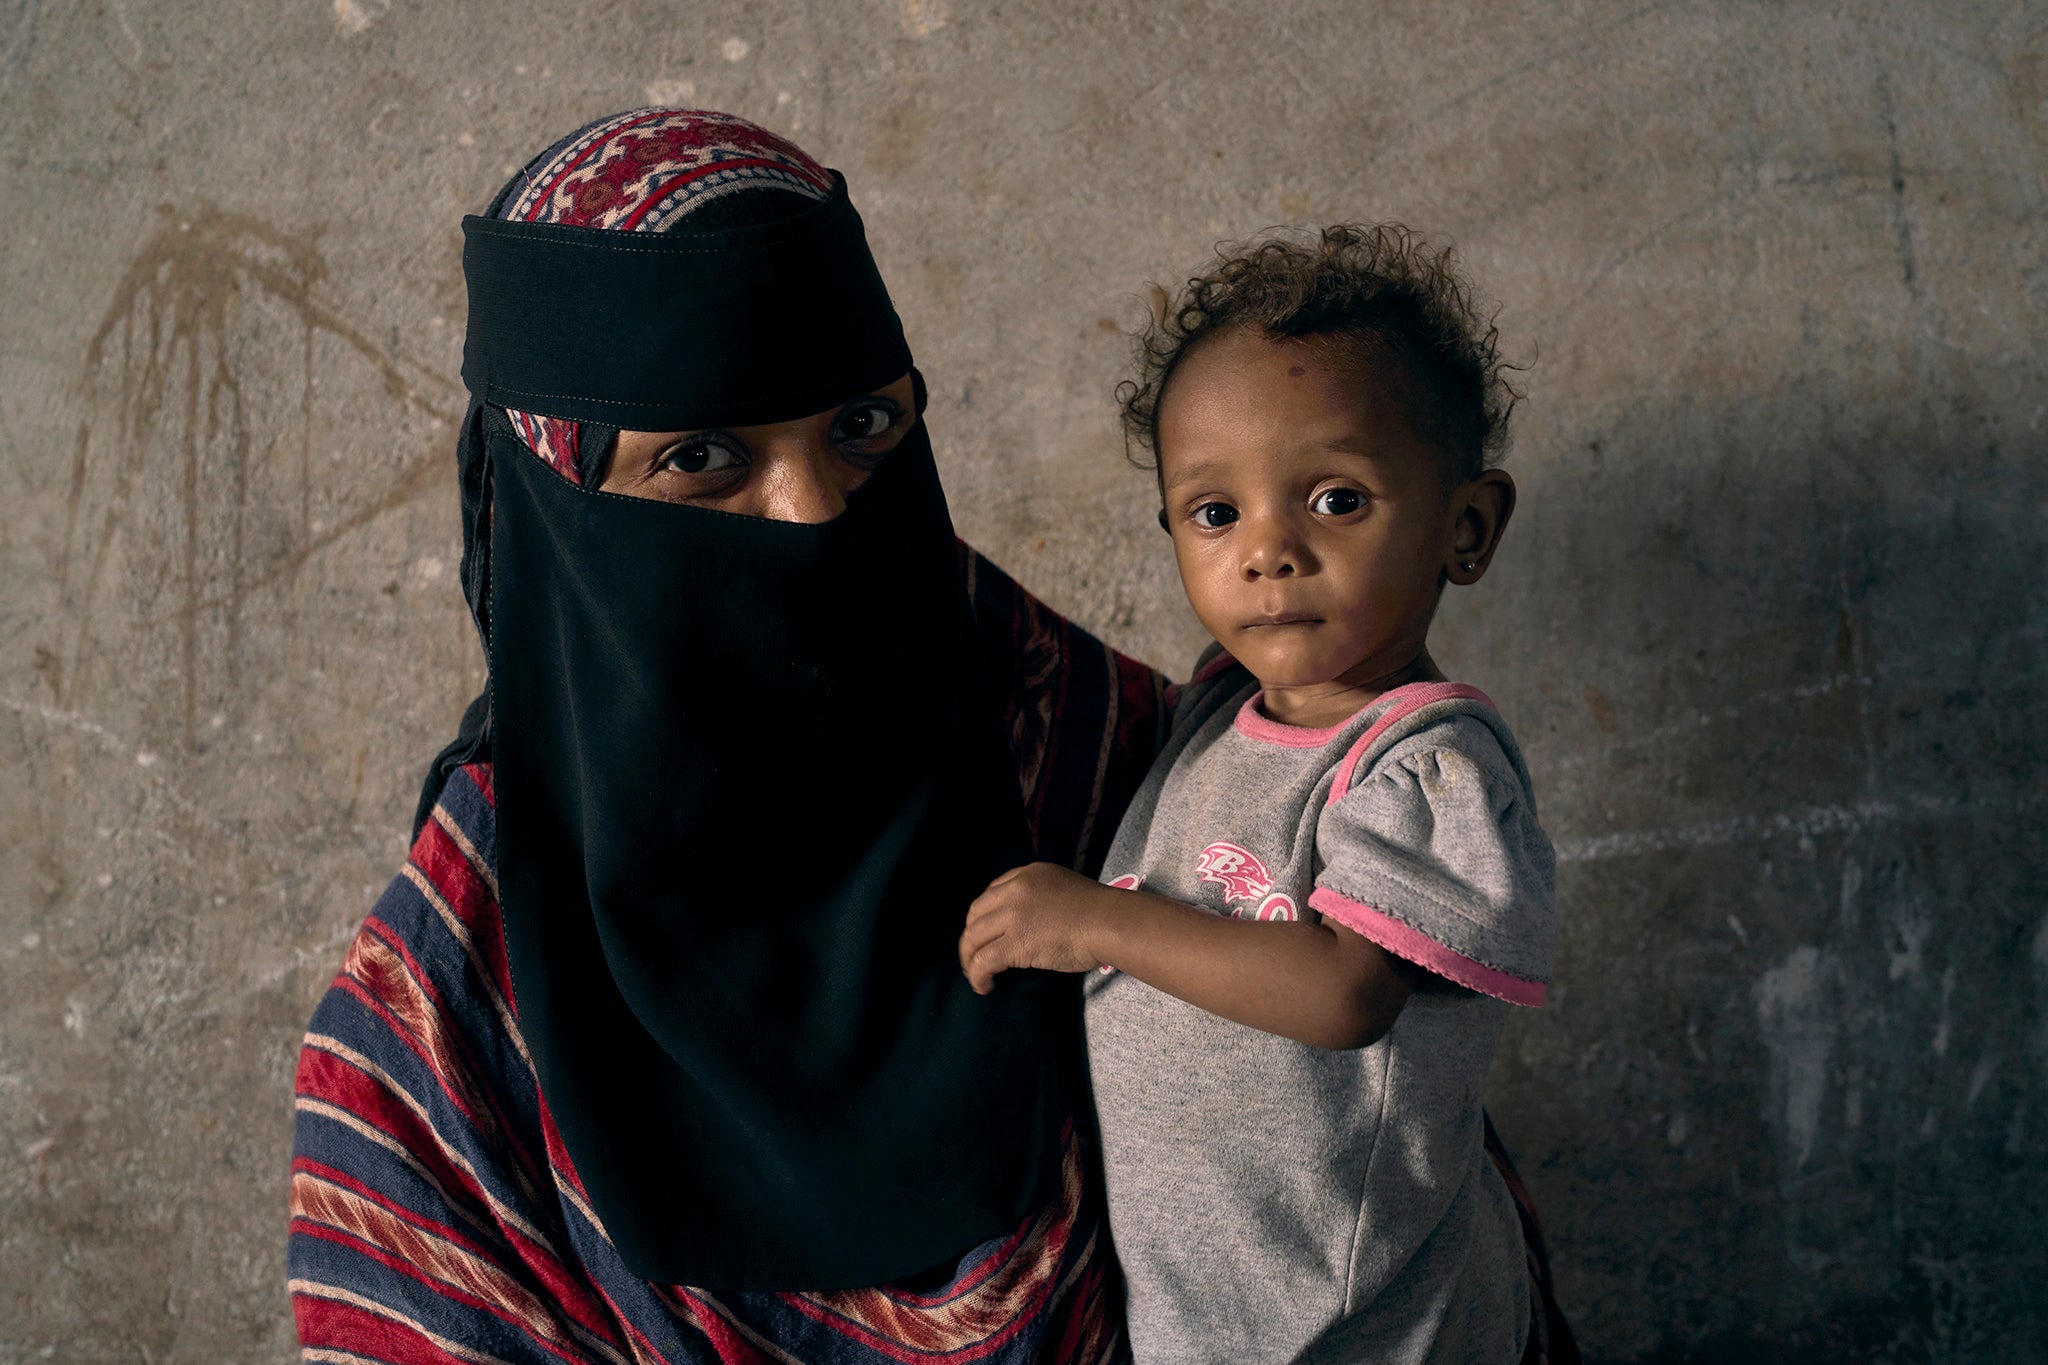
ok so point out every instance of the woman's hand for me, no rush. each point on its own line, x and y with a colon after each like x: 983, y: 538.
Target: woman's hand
x: 1039, y: 915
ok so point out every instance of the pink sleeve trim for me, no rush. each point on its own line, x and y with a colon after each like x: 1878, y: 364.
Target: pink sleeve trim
x: 1424, y: 951
x: 1409, y: 700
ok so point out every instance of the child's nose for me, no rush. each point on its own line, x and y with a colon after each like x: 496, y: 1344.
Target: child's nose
x: 1271, y: 552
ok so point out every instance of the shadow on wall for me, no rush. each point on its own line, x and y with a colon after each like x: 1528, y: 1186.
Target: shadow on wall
x: 1782, y: 677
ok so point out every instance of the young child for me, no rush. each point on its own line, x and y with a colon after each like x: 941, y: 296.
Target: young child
x: 1333, y: 877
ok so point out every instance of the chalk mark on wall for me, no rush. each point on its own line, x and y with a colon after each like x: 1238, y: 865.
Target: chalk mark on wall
x: 1799, y: 1019
x: 1806, y: 822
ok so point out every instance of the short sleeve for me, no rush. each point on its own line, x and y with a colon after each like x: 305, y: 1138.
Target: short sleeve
x: 1435, y: 855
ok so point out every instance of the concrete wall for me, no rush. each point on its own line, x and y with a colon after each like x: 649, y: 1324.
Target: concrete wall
x: 1770, y: 620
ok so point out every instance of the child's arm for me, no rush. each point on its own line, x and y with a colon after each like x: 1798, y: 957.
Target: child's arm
x: 1319, y: 984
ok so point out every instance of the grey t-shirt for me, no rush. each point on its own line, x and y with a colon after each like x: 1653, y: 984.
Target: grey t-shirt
x: 1272, y: 1201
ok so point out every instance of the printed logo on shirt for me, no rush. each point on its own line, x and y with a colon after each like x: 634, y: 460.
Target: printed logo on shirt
x: 1278, y: 906
x: 1237, y: 870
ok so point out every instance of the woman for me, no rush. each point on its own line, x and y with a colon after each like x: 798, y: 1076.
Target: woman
x: 664, y: 997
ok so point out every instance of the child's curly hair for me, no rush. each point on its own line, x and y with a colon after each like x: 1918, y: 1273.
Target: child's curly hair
x: 1381, y: 285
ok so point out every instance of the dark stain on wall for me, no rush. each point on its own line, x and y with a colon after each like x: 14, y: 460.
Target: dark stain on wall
x: 216, y: 312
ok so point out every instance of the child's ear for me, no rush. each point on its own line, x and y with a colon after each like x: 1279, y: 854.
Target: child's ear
x: 1480, y: 509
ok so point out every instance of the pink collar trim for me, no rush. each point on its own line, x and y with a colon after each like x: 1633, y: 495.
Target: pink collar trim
x: 1254, y: 724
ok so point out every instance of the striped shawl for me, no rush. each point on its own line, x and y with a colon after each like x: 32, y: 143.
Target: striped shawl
x: 435, y: 1216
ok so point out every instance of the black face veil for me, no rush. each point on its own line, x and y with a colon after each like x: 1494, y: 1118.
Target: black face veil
x: 747, y: 778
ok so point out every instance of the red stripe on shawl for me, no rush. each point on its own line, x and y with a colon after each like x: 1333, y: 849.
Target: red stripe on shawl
x: 339, y: 1082
x: 628, y: 1336
x: 345, y: 1327
x: 447, y: 867
x: 468, y: 1279
x: 322, y: 1172
x: 919, y: 1341
x: 589, y: 1308
x: 364, y: 1096
x: 480, y: 773
x: 401, y: 1029
x: 1015, y: 1292
x: 732, y: 1348
x: 411, y: 995
x: 327, y: 1324
x: 404, y: 987
x: 968, y: 1283
x: 446, y: 864
x: 1079, y: 1326
x: 987, y: 1266
x: 558, y: 1152
x: 381, y: 974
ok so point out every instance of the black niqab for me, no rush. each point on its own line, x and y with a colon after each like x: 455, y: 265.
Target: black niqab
x: 747, y: 780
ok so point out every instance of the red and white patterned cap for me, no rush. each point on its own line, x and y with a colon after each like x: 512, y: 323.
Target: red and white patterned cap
x: 647, y: 170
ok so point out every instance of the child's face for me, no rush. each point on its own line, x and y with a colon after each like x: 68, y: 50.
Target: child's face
x: 1313, y: 530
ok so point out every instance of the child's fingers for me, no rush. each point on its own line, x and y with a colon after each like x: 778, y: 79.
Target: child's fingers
x: 978, y: 934
x: 1009, y: 876
x: 983, y: 965
x: 998, y: 895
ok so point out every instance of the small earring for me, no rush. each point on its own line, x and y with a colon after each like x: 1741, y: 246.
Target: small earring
x: 1466, y: 566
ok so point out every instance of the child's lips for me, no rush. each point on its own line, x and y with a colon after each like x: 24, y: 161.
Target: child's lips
x: 1284, y: 618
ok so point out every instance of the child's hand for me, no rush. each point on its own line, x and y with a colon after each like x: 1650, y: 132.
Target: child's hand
x: 1038, y: 915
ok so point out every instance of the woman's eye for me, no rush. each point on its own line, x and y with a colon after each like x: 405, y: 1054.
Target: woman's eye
x: 1214, y: 514
x: 701, y: 457
x: 1337, y: 502
x: 867, y: 420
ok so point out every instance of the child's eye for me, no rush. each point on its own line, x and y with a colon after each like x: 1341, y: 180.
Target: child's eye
x: 701, y: 455
x: 867, y: 420
x: 1214, y: 514
x: 1337, y: 502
